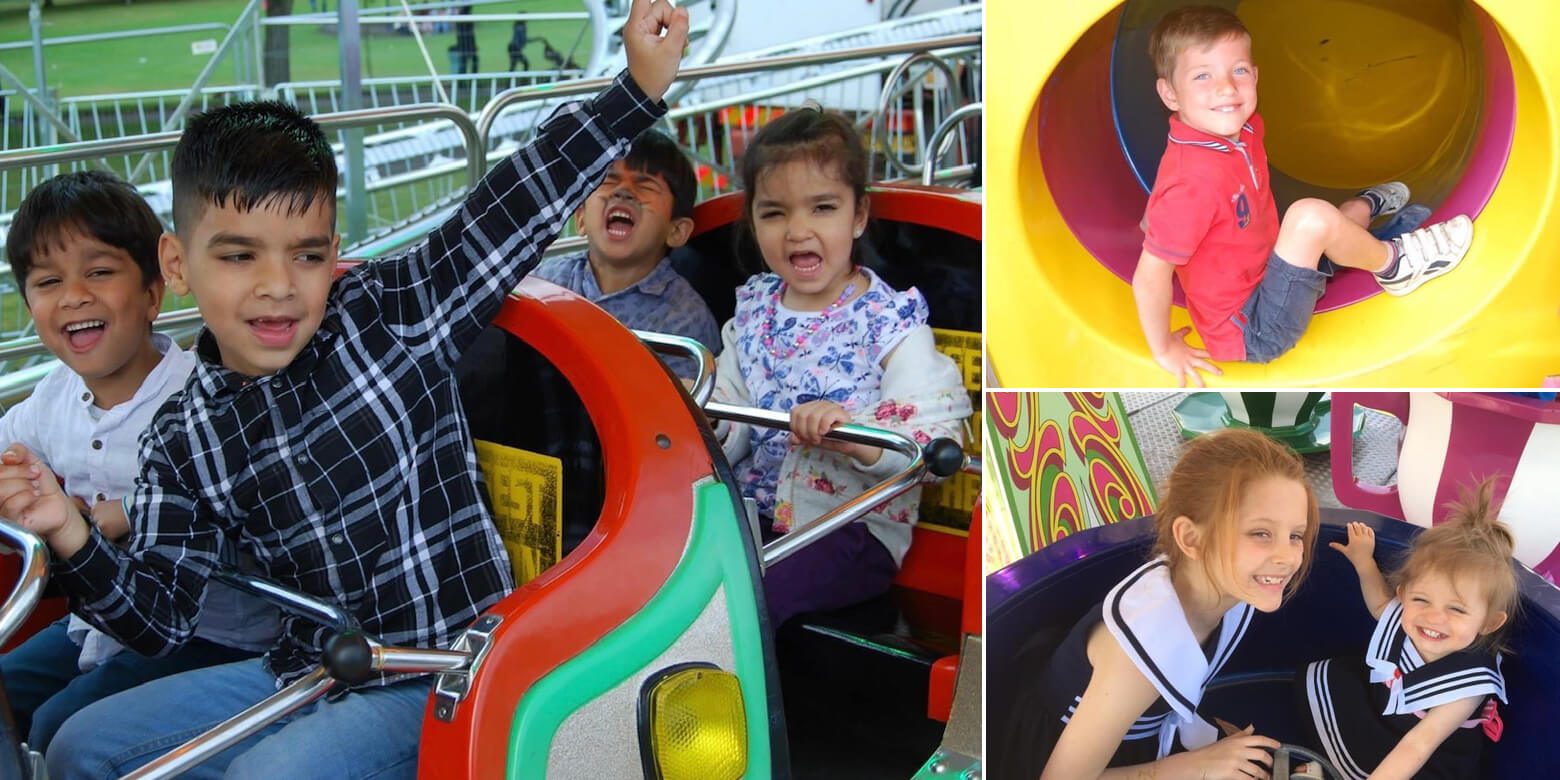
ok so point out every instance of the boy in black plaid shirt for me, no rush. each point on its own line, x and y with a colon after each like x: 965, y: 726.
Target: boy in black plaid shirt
x: 321, y: 432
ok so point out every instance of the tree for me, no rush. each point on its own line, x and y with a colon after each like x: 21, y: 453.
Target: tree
x: 277, y: 60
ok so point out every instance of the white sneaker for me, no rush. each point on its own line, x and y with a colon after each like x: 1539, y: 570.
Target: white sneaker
x: 1393, y: 195
x: 1429, y: 252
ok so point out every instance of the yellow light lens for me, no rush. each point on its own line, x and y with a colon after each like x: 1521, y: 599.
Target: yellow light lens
x: 697, y: 727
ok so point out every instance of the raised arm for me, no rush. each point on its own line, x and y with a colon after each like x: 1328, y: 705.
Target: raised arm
x: 440, y: 295
x: 1360, y: 550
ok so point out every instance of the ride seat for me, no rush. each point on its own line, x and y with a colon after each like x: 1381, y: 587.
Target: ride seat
x: 945, y: 265
x: 1034, y: 602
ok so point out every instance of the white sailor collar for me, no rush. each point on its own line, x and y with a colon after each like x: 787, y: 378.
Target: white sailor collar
x: 1145, y: 616
x: 1417, y: 686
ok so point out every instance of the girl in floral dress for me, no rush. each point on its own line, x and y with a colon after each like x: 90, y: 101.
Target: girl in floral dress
x: 826, y: 340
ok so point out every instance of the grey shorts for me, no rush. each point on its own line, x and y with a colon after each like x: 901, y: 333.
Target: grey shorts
x: 1279, y: 310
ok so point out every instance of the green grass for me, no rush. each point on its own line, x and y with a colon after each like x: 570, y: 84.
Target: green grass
x: 165, y: 62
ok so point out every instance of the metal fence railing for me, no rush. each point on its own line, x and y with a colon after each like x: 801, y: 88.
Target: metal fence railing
x: 443, y: 150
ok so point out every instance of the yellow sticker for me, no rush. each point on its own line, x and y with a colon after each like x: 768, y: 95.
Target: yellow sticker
x: 526, y: 489
x: 964, y: 347
x: 949, y: 503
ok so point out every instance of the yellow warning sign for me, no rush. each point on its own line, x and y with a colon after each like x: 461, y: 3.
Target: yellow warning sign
x: 526, y: 489
x: 950, y: 502
x: 964, y: 347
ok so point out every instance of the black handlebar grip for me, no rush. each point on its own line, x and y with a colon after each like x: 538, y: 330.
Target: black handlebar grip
x: 944, y: 457
x: 348, y: 657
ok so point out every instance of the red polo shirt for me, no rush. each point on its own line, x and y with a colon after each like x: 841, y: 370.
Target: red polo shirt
x: 1212, y: 216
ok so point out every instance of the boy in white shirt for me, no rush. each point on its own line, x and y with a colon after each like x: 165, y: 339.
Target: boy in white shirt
x: 83, y: 247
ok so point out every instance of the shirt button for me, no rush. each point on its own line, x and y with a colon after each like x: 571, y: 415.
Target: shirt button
x: 337, y: 538
x: 86, y: 397
x: 276, y: 383
x: 102, y: 497
x: 303, y: 460
x: 97, y: 444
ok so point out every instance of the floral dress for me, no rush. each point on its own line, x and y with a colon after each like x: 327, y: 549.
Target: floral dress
x: 788, y: 358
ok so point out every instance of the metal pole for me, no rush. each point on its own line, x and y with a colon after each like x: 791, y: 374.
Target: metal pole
x: 45, y: 113
x: 35, y: 19
x: 174, y: 120
x: 240, y: 58
x: 257, y: 44
x: 347, y: 39
x: 34, y: 573
x: 233, y: 730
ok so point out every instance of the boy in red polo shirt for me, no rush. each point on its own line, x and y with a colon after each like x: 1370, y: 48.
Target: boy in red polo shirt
x: 1251, y: 282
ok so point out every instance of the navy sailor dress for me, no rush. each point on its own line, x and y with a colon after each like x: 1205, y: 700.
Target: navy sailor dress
x: 1357, y: 712
x: 1144, y: 615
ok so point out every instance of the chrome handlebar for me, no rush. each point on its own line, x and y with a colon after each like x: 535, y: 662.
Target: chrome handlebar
x: 703, y: 358
x: 853, y: 509
x: 350, y: 657
x: 34, y: 573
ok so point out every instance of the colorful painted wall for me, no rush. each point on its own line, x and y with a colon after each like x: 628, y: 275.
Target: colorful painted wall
x: 1056, y: 463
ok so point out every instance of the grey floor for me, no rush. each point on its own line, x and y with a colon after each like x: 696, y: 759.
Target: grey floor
x: 1375, y: 453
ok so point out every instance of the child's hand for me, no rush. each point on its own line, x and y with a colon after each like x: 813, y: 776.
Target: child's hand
x: 1240, y: 756
x: 1184, y: 361
x: 1361, y: 545
x: 653, y: 60
x: 811, y: 421
x: 31, y: 497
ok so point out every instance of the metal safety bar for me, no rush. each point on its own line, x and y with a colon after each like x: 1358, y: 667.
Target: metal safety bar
x: 306, y: 689
x: 890, y: 94
x: 34, y: 572
x: 298, y: 694
x: 949, y: 124
x: 339, y: 120
x: 322, y: 612
x: 29, y: 347
x: 703, y: 358
x: 851, y: 510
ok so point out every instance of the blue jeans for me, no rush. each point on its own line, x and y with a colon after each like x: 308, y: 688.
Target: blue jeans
x: 45, y: 686
x: 367, y: 733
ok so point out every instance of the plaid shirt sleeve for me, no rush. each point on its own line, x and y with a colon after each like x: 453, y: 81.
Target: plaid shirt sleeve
x: 149, y: 599
x: 217, y: 471
x: 439, y: 296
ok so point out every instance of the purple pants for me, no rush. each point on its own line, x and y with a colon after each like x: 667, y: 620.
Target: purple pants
x: 843, y: 568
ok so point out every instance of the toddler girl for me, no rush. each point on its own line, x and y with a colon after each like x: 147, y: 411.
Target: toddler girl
x: 1423, y: 702
x: 823, y: 338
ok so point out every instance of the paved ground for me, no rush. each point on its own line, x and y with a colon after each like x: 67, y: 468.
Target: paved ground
x: 1375, y: 455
